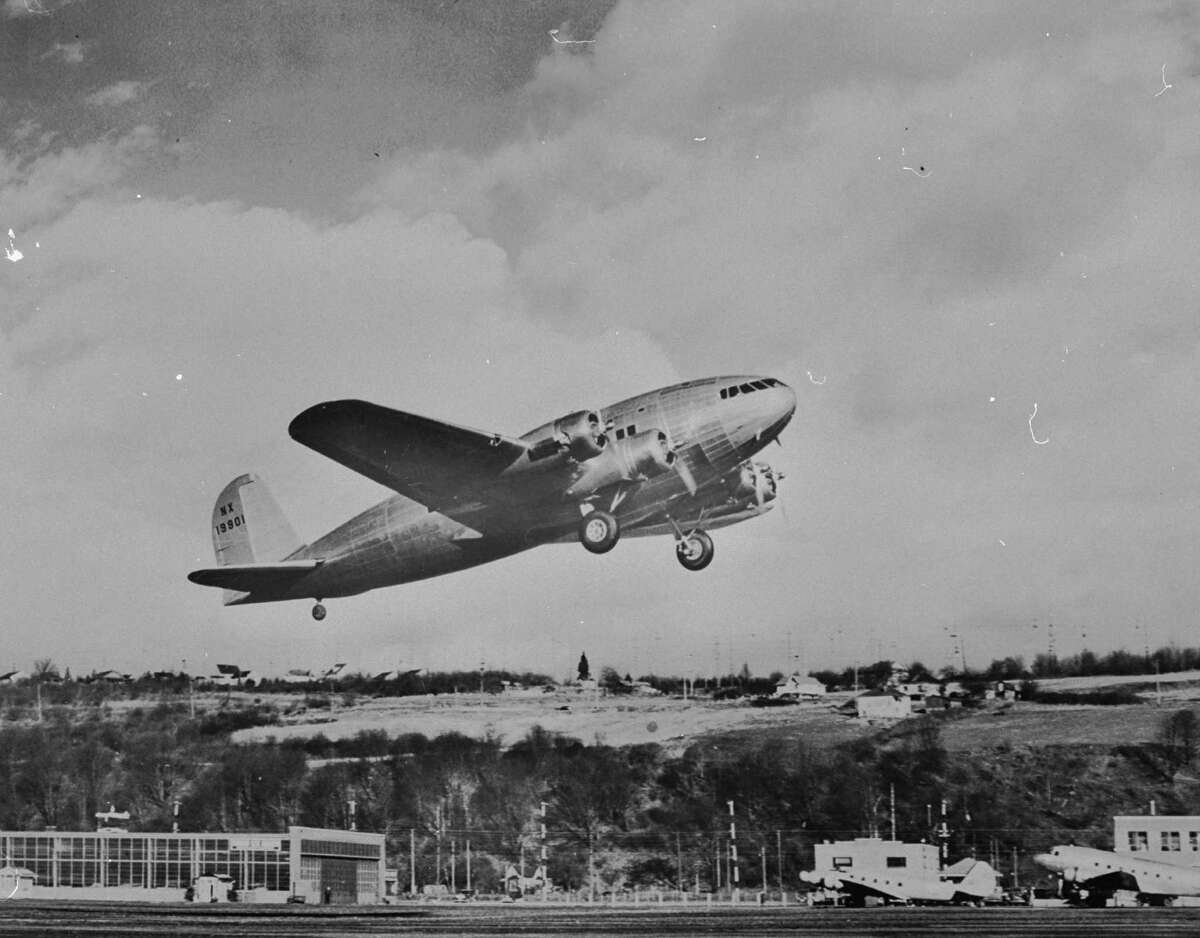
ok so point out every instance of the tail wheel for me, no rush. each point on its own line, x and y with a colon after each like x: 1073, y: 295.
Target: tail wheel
x: 695, y: 550
x: 318, y: 612
x: 599, y: 531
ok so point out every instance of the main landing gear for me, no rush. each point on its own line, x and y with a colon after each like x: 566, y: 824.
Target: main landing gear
x: 599, y: 531
x: 318, y: 612
x: 694, y: 550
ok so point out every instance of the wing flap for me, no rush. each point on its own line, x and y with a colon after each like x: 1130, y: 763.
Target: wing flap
x: 437, y: 464
x: 254, y: 577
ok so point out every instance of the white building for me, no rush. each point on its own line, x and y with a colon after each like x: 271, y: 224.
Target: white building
x: 882, y: 705
x: 321, y: 866
x: 1166, y: 838
x: 796, y: 687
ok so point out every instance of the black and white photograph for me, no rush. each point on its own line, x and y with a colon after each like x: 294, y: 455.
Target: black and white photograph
x: 599, y: 467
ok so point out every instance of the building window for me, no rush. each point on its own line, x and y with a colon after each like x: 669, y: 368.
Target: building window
x: 1139, y: 841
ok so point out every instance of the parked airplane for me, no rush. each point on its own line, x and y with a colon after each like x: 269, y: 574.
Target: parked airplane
x: 966, y: 882
x: 1090, y: 876
x: 673, y: 461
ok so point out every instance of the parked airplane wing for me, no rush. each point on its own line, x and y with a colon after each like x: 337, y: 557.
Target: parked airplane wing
x: 251, y: 577
x: 429, y: 461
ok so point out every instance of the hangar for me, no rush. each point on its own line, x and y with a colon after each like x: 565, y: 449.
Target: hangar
x: 308, y: 864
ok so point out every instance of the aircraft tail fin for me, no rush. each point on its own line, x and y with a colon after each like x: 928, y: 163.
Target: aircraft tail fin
x: 980, y: 880
x: 248, y: 526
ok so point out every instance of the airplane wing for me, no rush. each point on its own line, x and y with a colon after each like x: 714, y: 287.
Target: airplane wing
x: 254, y: 577
x: 437, y: 464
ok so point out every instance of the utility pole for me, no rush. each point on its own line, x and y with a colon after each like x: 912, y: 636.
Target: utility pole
x: 779, y: 860
x: 412, y: 860
x: 762, y: 855
x: 678, y: 862
x: 736, y: 879
x: 892, y: 788
x: 438, y: 863
x: 545, y: 864
x: 453, y: 870
x: 468, y: 866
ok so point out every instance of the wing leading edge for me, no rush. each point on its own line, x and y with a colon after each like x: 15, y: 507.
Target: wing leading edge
x: 437, y: 464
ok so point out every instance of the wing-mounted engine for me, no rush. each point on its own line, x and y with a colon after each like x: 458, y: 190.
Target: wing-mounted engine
x: 641, y: 456
x: 754, y: 485
x: 577, y: 437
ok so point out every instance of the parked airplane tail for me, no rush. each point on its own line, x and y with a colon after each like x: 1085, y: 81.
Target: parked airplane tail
x: 248, y: 526
x: 980, y: 881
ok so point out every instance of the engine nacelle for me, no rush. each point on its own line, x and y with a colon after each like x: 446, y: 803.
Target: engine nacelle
x: 755, y: 484
x: 641, y: 456
x: 581, y: 435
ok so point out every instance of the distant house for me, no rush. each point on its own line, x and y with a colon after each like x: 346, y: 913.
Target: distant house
x: 1002, y: 690
x: 13, y: 677
x: 796, y: 687
x: 882, y: 705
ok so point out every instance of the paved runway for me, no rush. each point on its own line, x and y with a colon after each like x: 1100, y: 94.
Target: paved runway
x: 112, y: 920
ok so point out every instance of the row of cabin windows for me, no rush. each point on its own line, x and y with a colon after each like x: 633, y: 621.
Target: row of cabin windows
x: 749, y: 387
x: 626, y: 431
x: 1169, y: 841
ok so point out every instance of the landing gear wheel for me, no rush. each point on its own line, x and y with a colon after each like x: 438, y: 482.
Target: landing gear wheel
x: 318, y: 612
x: 598, y: 531
x: 695, y: 550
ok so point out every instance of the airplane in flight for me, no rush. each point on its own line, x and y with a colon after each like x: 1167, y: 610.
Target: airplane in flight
x: 676, y: 461
x: 1091, y: 876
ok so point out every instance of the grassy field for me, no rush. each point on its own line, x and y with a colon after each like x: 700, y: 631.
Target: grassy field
x: 675, y: 723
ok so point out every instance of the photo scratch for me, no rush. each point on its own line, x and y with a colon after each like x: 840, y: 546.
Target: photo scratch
x: 11, y: 252
x: 570, y: 42
x: 920, y: 171
x: 820, y: 380
x: 1031, y: 433
x: 1165, y: 86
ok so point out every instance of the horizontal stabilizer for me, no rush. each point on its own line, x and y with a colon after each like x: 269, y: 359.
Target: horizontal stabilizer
x: 254, y: 577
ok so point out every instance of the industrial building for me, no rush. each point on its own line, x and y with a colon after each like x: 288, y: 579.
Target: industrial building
x: 1165, y: 838
x: 306, y: 864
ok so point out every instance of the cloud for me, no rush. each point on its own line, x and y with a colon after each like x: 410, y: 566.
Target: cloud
x: 51, y: 183
x: 69, y: 52
x: 116, y: 94
x: 589, y: 246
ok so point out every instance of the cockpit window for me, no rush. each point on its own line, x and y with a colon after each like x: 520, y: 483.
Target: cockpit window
x: 733, y: 391
x: 746, y: 388
x: 761, y: 385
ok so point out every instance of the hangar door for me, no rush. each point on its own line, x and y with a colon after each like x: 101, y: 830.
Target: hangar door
x: 340, y: 873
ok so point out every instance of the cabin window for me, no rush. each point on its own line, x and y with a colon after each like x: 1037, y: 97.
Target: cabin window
x: 842, y: 863
x: 1170, y: 841
x: 1194, y: 840
x: 621, y: 434
x: 631, y: 430
x: 897, y: 862
x: 1139, y: 841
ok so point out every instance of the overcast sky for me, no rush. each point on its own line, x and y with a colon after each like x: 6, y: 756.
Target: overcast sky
x: 966, y: 234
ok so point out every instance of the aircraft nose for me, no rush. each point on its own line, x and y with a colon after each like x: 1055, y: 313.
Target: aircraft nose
x: 781, y: 400
x: 1047, y: 860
